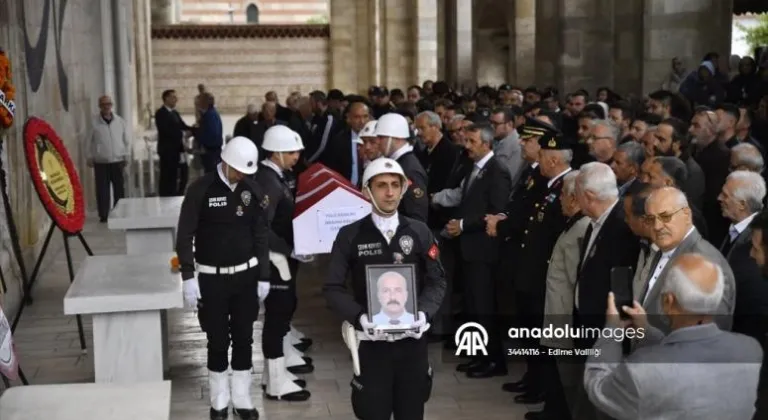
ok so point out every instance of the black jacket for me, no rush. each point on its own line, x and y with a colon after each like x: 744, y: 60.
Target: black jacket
x: 170, y: 131
x: 415, y: 203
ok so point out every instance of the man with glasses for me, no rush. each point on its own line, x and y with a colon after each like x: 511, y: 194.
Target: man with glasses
x: 670, y: 222
x: 506, y: 142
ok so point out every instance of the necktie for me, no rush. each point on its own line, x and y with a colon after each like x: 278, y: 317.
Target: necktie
x: 650, y: 266
x: 390, y: 234
x: 728, y: 242
x: 587, y: 238
x: 472, y: 176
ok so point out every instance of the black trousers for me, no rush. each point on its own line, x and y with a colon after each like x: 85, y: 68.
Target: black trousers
x: 480, y: 303
x: 279, y: 307
x: 530, y: 314
x: 555, y: 402
x: 169, y: 175
x: 395, y: 378
x: 183, y: 178
x: 228, y: 309
x: 109, y: 181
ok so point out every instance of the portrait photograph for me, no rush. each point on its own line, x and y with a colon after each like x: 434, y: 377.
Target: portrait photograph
x: 392, y: 296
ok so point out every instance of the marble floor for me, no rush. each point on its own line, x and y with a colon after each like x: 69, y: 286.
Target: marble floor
x: 49, y: 350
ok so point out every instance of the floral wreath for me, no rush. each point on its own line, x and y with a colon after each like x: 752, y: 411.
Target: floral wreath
x: 37, y: 132
x: 7, y: 93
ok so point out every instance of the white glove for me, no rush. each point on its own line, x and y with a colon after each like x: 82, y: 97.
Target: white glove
x: 419, y: 327
x: 302, y: 258
x: 191, y: 293
x: 263, y: 290
x: 281, y: 263
x: 376, y: 334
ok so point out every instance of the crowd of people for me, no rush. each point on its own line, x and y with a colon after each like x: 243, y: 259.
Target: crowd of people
x: 526, y: 209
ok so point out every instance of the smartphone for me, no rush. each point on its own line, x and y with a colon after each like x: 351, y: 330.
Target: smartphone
x: 621, y: 286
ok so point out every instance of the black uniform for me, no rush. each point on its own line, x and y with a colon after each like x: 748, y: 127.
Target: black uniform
x: 228, y: 229
x: 415, y: 203
x: 280, y: 303
x: 395, y: 377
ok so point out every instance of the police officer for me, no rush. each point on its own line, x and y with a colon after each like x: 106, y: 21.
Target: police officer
x: 283, y: 147
x: 392, y: 372
x: 393, y: 132
x: 224, y: 214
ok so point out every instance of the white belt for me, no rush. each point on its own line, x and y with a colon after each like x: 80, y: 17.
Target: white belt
x: 207, y: 269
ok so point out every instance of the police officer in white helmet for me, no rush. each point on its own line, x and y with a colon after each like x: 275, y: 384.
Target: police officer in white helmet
x: 224, y: 215
x: 391, y: 369
x: 369, y: 142
x: 393, y: 134
x: 281, y: 359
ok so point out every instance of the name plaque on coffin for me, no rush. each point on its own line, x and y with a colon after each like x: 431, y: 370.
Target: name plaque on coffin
x: 325, y: 202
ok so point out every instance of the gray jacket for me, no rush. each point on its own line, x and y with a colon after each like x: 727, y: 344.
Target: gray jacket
x: 694, y: 243
x: 694, y: 373
x: 509, y: 153
x: 108, y: 143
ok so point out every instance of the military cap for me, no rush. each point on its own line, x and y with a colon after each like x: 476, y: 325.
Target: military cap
x: 554, y: 141
x: 505, y: 87
x: 536, y: 128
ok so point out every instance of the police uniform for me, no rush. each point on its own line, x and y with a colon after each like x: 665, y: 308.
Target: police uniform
x: 280, y: 303
x: 415, y: 203
x: 228, y: 226
x: 395, y: 377
x: 543, y: 226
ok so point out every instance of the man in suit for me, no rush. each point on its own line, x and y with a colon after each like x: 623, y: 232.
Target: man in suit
x: 170, y: 145
x: 742, y: 200
x: 627, y: 161
x: 747, y: 157
x: 654, y: 382
x: 671, y: 139
x: 506, y: 145
x: 341, y: 152
x: 669, y: 216
x: 485, y: 191
x: 324, y: 125
x: 759, y: 303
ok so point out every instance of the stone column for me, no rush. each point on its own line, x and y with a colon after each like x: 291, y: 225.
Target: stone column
x: 162, y: 12
x: 628, y: 38
x: 144, y: 83
x: 352, y: 38
x: 425, y: 29
x: 491, y: 41
x: 398, y: 43
x: 459, y: 46
x: 522, y: 42
x: 441, y: 45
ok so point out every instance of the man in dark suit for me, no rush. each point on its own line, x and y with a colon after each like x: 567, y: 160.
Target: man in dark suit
x: 267, y: 120
x: 671, y: 139
x: 170, y: 145
x: 485, y: 191
x: 340, y: 153
x: 245, y: 126
x: 742, y: 200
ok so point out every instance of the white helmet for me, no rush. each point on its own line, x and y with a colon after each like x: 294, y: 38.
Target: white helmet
x: 393, y: 125
x: 369, y: 130
x: 382, y: 166
x: 241, y: 154
x: 280, y: 138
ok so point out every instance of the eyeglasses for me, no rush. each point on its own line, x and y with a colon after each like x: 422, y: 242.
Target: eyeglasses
x: 650, y: 219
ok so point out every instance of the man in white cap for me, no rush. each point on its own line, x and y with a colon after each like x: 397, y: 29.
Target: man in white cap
x: 224, y: 215
x: 393, y: 135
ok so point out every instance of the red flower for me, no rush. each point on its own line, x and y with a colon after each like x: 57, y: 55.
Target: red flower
x: 68, y: 215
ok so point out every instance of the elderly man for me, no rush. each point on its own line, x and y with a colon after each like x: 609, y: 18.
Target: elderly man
x: 107, y: 151
x: 669, y: 216
x: 714, y: 158
x: 392, y: 293
x: 341, y: 152
x: 506, y: 144
x: 655, y: 380
x: 627, y: 160
x: 561, y: 278
x: 747, y: 157
x: 245, y: 126
x: 603, y: 140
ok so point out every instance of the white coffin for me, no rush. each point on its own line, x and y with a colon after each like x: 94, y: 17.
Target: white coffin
x: 325, y: 202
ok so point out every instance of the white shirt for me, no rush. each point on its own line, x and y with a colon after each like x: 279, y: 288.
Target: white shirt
x: 272, y: 165
x: 223, y: 177
x: 596, y: 225
x: 479, y: 165
x: 405, y: 319
x: 560, y: 175
x: 401, y: 151
x: 741, y: 226
x: 665, y: 257
x: 386, y: 225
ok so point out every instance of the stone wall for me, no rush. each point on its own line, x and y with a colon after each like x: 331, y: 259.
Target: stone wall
x: 239, y: 63
x: 58, y: 71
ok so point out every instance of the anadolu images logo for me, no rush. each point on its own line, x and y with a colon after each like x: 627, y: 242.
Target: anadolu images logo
x: 470, y: 339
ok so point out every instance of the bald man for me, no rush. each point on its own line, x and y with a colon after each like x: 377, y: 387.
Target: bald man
x: 340, y: 154
x: 697, y: 371
x: 392, y: 291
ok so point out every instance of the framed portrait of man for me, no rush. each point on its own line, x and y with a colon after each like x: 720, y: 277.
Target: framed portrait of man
x: 392, y: 296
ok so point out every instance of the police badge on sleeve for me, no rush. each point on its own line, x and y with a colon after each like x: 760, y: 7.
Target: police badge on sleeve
x: 406, y: 244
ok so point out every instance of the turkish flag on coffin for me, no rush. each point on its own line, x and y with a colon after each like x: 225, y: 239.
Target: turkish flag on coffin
x: 316, y: 183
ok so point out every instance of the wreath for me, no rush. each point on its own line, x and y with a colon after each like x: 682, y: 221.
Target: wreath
x: 54, y: 176
x: 7, y: 93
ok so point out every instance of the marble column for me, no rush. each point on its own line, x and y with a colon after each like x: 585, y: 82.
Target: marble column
x: 398, y: 43
x: 425, y: 30
x: 522, y: 42
x: 628, y: 38
x: 145, y: 101
x: 162, y: 12
x: 574, y: 44
x: 459, y: 45
x: 441, y: 46
x: 491, y: 41
x: 352, y: 45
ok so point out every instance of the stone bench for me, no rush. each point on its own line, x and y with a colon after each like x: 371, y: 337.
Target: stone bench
x: 145, y: 401
x: 125, y: 294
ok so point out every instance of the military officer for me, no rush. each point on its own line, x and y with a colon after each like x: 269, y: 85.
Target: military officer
x: 393, y: 133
